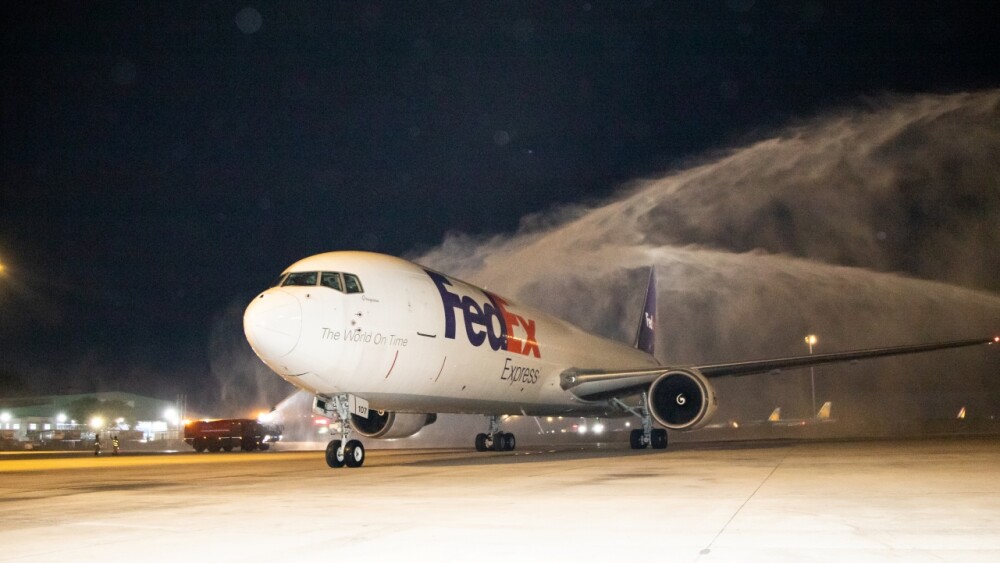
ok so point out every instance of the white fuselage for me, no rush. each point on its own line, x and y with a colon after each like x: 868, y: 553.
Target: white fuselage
x: 415, y: 340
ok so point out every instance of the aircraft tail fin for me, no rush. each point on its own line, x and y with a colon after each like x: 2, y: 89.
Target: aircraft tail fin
x: 824, y: 411
x: 775, y: 415
x: 645, y: 336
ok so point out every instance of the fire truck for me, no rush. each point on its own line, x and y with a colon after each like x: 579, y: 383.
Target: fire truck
x: 230, y: 433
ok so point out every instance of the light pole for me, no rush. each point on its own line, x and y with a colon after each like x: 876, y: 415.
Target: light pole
x: 811, y: 340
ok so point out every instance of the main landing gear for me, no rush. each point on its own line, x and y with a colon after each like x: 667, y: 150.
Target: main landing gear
x: 647, y: 435
x: 344, y: 451
x: 495, y: 440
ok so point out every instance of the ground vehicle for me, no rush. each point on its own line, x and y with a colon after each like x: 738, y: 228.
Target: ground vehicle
x: 228, y: 433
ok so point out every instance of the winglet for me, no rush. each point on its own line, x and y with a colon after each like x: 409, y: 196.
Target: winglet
x: 645, y: 336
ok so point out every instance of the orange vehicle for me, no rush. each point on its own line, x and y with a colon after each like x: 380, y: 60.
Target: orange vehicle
x: 230, y: 433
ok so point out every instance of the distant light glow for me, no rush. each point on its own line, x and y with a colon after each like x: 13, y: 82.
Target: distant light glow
x: 264, y: 416
x: 97, y: 423
x: 171, y: 416
x: 598, y: 428
x: 249, y: 21
x: 811, y: 340
x: 5, y: 417
x: 582, y: 429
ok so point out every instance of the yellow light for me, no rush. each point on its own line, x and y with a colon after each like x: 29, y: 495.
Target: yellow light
x: 811, y: 339
x: 96, y: 422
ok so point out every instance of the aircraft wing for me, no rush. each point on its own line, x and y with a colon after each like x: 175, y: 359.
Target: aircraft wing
x: 595, y: 384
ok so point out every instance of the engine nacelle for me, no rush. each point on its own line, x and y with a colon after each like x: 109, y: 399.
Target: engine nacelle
x: 389, y: 424
x: 682, y: 399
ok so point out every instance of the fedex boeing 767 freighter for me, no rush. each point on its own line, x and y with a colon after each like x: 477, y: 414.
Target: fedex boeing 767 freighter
x: 385, y: 344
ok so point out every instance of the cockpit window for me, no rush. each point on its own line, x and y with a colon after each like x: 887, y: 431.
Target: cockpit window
x: 330, y: 279
x: 352, y: 283
x: 300, y: 278
x: 278, y: 281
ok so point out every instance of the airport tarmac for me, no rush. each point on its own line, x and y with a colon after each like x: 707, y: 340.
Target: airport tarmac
x: 906, y: 500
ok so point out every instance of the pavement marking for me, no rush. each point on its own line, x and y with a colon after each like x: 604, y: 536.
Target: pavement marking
x: 110, y: 462
x: 708, y: 548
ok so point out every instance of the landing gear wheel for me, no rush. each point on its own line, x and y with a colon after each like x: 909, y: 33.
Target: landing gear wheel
x: 354, y: 453
x: 659, y: 439
x: 264, y: 447
x: 498, y: 442
x: 635, y: 439
x: 481, y: 442
x: 335, y: 454
x: 509, y: 442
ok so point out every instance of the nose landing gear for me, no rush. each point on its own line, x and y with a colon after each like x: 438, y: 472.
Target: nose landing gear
x: 338, y: 454
x: 344, y: 451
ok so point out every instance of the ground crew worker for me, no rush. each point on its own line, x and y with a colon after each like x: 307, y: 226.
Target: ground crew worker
x: 114, y: 445
x: 97, y: 444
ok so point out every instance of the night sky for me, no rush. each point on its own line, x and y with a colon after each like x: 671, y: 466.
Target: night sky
x: 163, y: 162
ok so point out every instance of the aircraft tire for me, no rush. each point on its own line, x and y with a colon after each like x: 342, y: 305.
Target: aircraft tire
x: 354, y: 453
x: 264, y: 447
x: 335, y: 454
x: 509, y: 442
x: 481, y: 442
x: 659, y: 439
x: 635, y: 439
x: 498, y: 442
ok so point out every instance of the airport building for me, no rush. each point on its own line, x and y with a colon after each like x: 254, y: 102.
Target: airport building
x: 73, y: 421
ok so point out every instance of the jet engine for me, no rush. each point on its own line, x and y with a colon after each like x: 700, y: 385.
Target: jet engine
x: 682, y: 399
x: 389, y: 424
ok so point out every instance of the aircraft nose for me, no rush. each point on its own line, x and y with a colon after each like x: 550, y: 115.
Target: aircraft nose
x: 272, y: 323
